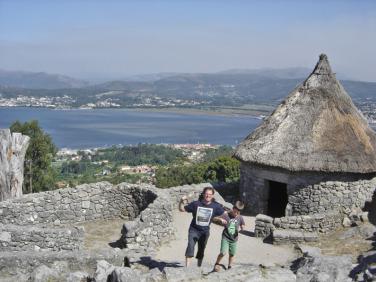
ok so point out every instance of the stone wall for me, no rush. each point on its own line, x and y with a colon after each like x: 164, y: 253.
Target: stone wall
x: 332, y: 195
x: 40, y: 235
x: 147, y: 210
x: 311, y: 223
x: 281, y: 237
x: 31, y: 238
x: 252, y: 190
x: 265, y: 226
x: 85, y: 202
x: 34, y: 222
x: 154, y: 225
x: 308, y: 192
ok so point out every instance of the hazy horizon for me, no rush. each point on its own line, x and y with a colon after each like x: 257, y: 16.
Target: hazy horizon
x: 100, y: 40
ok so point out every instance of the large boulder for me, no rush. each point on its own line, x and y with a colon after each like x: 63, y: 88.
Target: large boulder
x: 319, y: 268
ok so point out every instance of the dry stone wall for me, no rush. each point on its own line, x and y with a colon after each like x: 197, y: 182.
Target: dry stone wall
x: 296, y: 228
x: 31, y: 238
x: 85, y: 202
x: 38, y: 229
x: 332, y: 195
x: 35, y: 221
x: 154, y: 225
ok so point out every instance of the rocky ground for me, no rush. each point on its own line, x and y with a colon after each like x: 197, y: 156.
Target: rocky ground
x: 338, y: 260
x: 335, y: 257
x: 353, y: 241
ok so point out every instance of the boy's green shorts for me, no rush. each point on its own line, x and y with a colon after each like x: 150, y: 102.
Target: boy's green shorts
x: 227, y: 245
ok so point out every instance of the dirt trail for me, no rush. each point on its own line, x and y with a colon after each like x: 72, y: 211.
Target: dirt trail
x: 250, y: 249
x: 99, y: 233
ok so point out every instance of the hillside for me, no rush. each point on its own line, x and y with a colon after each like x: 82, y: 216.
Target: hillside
x: 35, y: 80
x: 229, y: 88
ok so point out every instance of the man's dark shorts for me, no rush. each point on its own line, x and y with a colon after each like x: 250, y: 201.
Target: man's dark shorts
x: 196, y: 236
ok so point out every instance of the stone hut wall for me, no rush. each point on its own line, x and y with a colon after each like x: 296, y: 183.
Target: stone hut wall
x: 308, y: 192
x: 85, y: 202
x: 332, y: 195
x: 31, y: 238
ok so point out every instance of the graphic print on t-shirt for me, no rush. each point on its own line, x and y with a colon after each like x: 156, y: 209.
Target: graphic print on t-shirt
x: 231, y: 228
x: 203, y: 216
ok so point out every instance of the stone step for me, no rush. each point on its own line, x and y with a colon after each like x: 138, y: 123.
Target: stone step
x: 292, y: 236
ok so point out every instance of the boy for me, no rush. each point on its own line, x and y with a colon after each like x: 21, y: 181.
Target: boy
x: 230, y: 234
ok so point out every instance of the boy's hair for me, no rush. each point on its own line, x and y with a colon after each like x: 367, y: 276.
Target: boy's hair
x: 239, y: 205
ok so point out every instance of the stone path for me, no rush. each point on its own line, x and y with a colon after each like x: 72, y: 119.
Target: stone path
x: 251, y: 250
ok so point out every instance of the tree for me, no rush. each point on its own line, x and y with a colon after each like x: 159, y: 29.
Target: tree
x: 227, y: 169
x: 222, y: 169
x: 39, y: 174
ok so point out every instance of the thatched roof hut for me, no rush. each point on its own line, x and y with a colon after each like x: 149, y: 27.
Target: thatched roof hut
x: 316, y: 128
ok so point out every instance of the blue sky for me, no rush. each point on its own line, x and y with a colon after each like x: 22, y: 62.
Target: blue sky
x: 114, y: 39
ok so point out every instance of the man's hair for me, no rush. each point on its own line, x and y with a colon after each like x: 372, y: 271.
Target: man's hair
x: 201, y: 197
x: 239, y: 205
x: 208, y: 188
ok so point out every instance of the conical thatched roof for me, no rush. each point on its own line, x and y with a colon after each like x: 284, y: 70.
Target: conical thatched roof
x: 316, y: 128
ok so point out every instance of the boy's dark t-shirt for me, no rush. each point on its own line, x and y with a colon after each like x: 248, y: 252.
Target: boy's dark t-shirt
x: 231, y: 230
x: 202, y: 214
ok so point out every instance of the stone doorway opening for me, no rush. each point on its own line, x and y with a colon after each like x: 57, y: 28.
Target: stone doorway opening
x: 277, y: 200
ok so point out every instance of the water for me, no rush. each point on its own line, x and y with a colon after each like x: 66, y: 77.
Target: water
x: 106, y: 127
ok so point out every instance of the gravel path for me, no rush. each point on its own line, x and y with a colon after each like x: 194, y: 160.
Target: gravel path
x: 251, y: 250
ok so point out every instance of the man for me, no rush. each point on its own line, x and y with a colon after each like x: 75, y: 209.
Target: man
x: 203, y: 211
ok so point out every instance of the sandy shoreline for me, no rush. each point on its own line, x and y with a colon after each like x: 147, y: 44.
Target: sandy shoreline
x: 218, y: 111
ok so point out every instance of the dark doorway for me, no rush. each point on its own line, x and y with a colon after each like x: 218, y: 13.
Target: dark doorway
x: 277, y: 199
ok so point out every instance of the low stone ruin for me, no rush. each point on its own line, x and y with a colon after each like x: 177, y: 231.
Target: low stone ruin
x: 41, y: 229
x: 40, y: 240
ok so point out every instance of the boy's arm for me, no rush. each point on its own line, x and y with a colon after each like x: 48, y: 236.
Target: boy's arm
x: 242, y: 223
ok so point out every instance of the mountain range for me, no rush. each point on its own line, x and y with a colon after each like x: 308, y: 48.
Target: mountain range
x: 35, y: 80
x: 231, y: 87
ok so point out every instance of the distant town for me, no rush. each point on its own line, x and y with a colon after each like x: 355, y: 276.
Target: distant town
x: 138, y: 163
x: 366, y: 106
x: 67, y: 102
